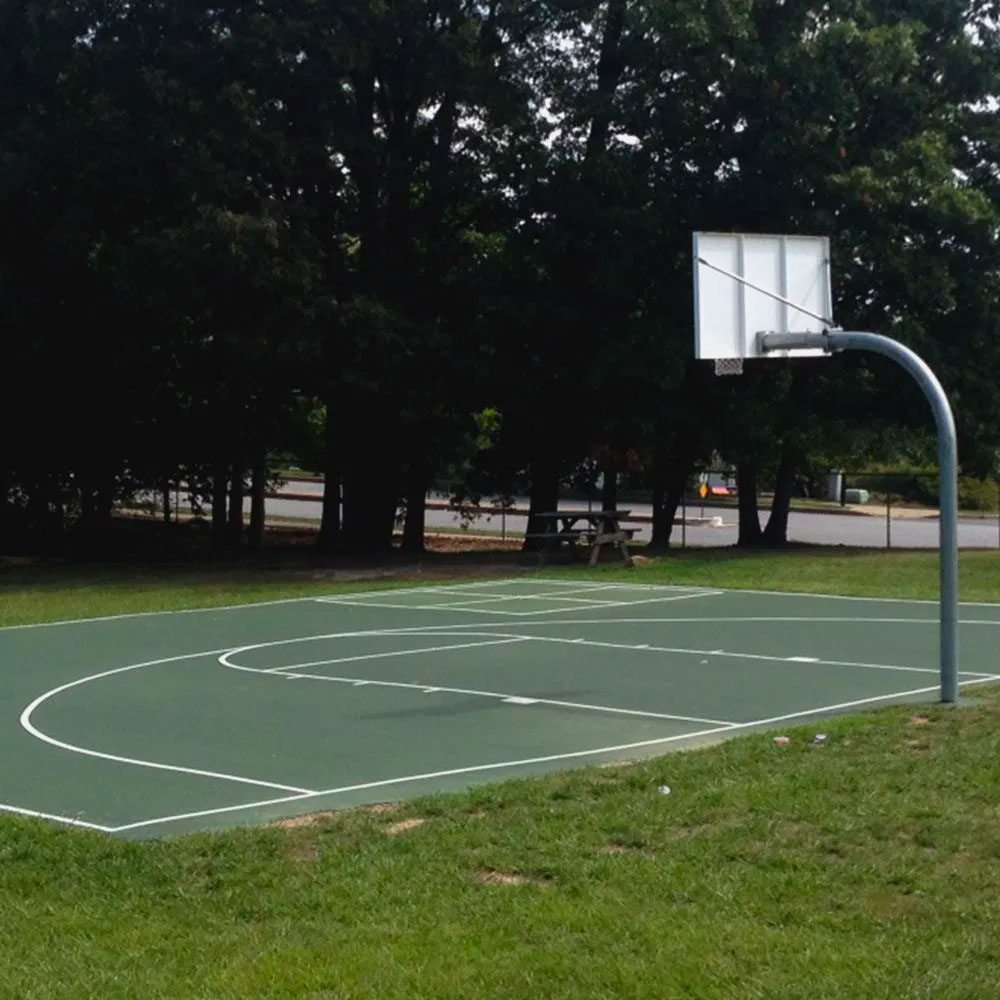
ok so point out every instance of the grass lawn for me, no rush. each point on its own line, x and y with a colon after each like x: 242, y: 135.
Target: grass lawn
x: 52, y: 592
x: 865, y: 867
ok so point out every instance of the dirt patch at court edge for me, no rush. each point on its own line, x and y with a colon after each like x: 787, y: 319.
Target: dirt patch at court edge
x: 491, y: 876
x: 314, y: 818
x: 306, y: 819
x: 394, y: 829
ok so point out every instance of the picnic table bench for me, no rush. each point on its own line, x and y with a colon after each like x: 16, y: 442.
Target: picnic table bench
x: 598, y: 528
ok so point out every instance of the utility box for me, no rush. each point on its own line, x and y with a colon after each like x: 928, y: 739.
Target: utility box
x: 833, y: 483
x: 856, y: 496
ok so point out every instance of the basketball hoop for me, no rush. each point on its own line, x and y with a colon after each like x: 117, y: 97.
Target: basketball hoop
x: 728, y: 366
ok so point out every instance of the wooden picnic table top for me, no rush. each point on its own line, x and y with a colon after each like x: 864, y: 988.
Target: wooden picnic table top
x: 555, y: 515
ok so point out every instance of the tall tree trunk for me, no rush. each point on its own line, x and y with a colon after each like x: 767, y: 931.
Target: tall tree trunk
x: 4, y: 508
x: 38, y: 514
x: 104, y: 505
x: 609, y: 71
x: 165, y: 496
x: 234, y: 526
x: 329, y: 528
x: 544, y: 496
x: 416, y: 509
x: 258, y: 484
x: 609, y: 490
x: 220, y: 488
x: 371, y: 477
x: 369, y: 509
x: 660, y: 538
x: 96, y: 504
x: 668, y: 491
x: 87, y: 506
x: 746, y: 485
x: 776, y: 531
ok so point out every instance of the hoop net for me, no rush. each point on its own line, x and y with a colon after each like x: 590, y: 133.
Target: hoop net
x: 728, y: 366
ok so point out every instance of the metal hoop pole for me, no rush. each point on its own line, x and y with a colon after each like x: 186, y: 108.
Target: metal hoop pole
x: 836, y: 340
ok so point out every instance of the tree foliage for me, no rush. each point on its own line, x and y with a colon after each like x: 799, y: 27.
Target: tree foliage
x: 228, y: 226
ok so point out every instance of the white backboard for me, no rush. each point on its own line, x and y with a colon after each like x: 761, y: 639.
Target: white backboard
x: 728, y: 314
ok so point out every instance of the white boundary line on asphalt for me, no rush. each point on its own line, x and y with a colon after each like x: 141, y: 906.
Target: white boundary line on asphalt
x: 478, y: 583
x: 524, y: 762
x: 309, y: 793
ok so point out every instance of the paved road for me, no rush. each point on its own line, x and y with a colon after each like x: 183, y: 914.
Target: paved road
x: 706, y: 526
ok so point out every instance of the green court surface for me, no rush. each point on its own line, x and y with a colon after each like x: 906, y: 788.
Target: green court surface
x: 154, y: 724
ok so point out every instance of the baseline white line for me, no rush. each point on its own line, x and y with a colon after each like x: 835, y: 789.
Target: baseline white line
x: 576, y: 754
x: 197, y: 814
x: 467, y: 606
x: 451, y: 772
x: 55, y: 817
x: 263, y: 604
x: 591, y: 603
x: 822, y: 596
x: 422, y: 607
x: 566, y: 595
x: 510, y: 581
x: 405, y: 631
x: 153, y: 614
x: 864, y: 701
x: 26, y: 723
x: 811, y: 619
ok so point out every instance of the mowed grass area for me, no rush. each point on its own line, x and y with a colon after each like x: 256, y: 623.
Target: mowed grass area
x: 867, y: 867
x: 52, y: 592
x: 864, y: 867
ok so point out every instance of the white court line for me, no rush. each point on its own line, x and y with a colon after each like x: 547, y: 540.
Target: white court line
x: 154, y: 614
x: 463, y: 605
x: 262, y: 604
x: 564, y: 594
x: 510, y: 581
x: 592, y: 603
x: 405, y: 631
x: 728, y: 619
x: 750, y: 656
x: 550, y: 758
x: 379, y: 656
x: 458, y: 630
x: 347, y: 601
x: 56, y: 817
x: 825, y: 597
x: 498, y: 695
x: 26, y: 723
x: 438, y: 607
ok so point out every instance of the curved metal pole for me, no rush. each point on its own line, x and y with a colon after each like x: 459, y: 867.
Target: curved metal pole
x: 836, y: 340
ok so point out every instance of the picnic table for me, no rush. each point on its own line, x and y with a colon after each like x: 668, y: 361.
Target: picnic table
x: 597, y: 528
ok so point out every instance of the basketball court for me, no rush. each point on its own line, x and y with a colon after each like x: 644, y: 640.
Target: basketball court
x: 159, y: 724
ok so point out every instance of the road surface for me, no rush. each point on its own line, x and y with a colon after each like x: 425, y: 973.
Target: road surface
x: 706, y: 526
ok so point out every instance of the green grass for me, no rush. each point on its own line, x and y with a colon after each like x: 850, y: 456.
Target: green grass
x: 865, y: 868
x: 859, y: 572
x: 868, y: 867
x: 53, y: 592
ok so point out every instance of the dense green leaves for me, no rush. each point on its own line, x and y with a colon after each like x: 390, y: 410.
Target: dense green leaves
x: 404, y: 214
